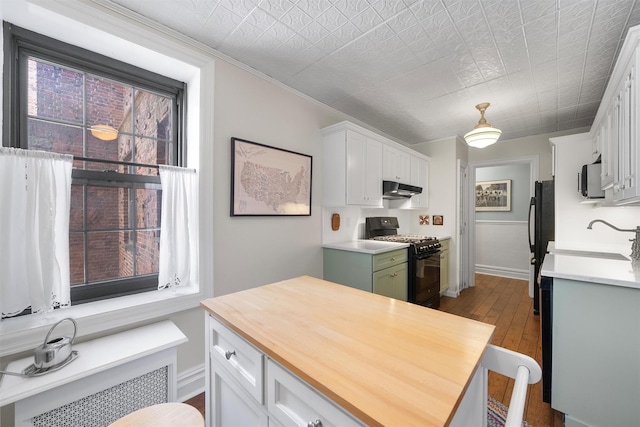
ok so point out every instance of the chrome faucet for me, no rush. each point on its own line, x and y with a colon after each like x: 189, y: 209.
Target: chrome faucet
x: 635, y: 246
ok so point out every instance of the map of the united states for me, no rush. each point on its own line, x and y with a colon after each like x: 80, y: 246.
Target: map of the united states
x: 271, y: 182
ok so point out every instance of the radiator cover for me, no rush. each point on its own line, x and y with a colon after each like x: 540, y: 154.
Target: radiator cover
x: 104, y: 407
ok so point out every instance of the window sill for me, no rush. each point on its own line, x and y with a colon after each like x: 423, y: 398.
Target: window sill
x: 27, y: 332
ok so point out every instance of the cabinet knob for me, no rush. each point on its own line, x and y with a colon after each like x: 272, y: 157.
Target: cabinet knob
x: 316, y: 423
x: 229, y: 353
x: 393, y: 259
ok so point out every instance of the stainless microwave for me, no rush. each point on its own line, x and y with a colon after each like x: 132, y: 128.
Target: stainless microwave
x: 589, y: 183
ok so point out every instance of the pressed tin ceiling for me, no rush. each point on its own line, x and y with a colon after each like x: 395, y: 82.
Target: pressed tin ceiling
x: 415, y: 69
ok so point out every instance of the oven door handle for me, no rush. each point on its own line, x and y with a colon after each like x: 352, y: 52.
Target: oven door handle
x: 428, y: 255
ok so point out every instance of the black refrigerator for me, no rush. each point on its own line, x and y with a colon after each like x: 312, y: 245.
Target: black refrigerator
x: 541, y: 231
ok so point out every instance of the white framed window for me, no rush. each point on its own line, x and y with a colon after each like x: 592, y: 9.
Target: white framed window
x: 113, y: 32
x: 119, y: 122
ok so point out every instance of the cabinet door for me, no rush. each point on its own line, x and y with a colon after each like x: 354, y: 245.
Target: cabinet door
x: 420, y: 177
x: 606, y: 150
x: 364, y: 164
x: 395, y: 165
x: 230, y: 405
x: 444, y: 270
x: 392, y: 282
x: 595, y: 352
x: 629, y: 161
x: 294, y: 403
x: 373, y: 173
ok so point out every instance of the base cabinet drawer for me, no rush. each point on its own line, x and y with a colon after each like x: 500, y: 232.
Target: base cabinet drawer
x: 389, y: 259
x: 240, y: 359
x: 292, y: 402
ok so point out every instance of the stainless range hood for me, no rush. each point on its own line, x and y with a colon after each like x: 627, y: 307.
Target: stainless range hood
x: 397, y: 190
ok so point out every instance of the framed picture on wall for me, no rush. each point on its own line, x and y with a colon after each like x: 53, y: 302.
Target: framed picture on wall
x: 493, y: 195
x: 269, y: 181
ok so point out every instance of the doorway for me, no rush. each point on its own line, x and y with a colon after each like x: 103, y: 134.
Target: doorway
x: 469, y: 215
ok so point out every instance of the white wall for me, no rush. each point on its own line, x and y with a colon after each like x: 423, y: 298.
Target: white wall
x: 572, y: 216
x: 252, y: 251
x: 443, y: 178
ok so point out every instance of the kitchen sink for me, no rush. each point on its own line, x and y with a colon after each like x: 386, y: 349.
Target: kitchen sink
x: 589, y: 254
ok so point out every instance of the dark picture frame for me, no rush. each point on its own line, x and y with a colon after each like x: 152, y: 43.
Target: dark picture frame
x: 493, y: 195
x: 269, y: 181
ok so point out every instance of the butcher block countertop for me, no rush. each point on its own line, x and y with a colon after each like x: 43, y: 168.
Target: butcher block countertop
x: 385, y: 361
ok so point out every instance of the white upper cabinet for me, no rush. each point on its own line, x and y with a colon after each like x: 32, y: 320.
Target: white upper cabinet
x: 352, y: 168
x: 364, y: 159
x: 420, y: 178
x: 356, y: 161
x: 616, y: 129
x: 396, y: 165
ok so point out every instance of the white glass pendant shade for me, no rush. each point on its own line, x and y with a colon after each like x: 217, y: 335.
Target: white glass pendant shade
x: 483, y: 134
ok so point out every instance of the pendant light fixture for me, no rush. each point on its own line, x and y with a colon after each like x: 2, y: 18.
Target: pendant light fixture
x: 483, y: 134
x: 104, y: 132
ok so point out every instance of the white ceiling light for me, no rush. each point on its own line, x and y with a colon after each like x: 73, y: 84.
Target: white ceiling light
x: 483, y: 134
x: 104, y: 132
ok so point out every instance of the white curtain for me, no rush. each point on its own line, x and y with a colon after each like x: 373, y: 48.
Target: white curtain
x: 178, y: 228
x: 35, y: 197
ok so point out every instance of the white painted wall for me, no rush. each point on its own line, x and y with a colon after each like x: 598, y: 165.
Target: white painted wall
x: 572, y: 216
x: 253, y: 251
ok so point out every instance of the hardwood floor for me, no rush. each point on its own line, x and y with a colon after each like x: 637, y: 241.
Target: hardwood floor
x: 197, y: 402
x: 505, y: 303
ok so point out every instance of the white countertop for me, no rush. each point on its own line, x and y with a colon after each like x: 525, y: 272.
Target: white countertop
x: 366, y: 246
x: 595, y: 267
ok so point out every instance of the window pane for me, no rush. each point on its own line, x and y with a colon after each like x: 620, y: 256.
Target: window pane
x: 76, y: 258
x: 108, y: 103
x: 147, y: 252
x: 149, y: 204
x: 107, y: 208
x: 152, y: 115
x: 116, y: 149
x: 55, y: 138
x: 76, y: 215
x: 54, y: 92
x: 109, y: 255
x: 151, y: 151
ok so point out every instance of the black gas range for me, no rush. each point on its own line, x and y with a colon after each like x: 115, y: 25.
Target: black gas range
x: 424, y: 259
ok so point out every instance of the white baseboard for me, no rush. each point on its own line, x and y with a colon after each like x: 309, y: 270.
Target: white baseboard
x: 511, y: 273
x: 191, y: 383
x: 450, y: 293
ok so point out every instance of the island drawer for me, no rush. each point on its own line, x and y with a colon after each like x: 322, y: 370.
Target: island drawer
x: 236, y: 356
x: 389, y: 259
x: 293, y: 402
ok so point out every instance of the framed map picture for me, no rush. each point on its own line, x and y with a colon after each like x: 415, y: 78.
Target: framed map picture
x: 493, y: 195
x: 269, y: 181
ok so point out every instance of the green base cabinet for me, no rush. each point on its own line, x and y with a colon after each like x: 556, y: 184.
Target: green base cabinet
x: 596, y: 354
x: 444, y: 265
x: 384, y: 274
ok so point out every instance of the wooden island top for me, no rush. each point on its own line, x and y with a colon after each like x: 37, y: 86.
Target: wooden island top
x: 385, y: 361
